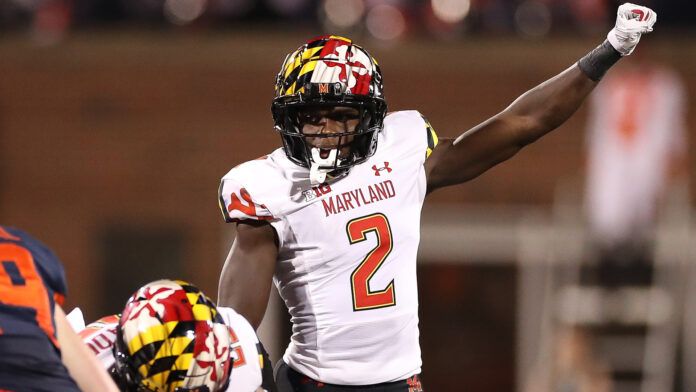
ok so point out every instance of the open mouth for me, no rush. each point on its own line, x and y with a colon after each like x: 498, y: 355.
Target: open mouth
x: 324, y: 152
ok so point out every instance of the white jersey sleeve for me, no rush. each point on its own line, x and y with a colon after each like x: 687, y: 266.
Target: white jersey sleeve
x: 249, y: 362
x: 409, y: 132
x: 255, y: 190
x: 100, y: 336
x: 237, y: 204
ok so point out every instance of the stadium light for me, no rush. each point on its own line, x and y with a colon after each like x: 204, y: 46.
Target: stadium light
x: 183, y: 12
x: 386, y: 22
x: 451, y: 11
x: 342, y: 14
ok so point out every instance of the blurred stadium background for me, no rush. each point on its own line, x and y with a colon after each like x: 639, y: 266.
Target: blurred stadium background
x: 118, y: 117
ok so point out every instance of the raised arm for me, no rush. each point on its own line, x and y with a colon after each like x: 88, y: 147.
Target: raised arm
x: 245, y: 281
x: 538, y: 111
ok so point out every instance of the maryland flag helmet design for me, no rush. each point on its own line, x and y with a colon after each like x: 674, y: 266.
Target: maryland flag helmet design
x: 171, y: 338
x: 329, y: 71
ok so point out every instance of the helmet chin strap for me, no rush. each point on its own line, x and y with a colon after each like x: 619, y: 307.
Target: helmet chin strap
x: 321, y: 166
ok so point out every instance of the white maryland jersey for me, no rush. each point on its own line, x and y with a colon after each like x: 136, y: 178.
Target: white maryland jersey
x: 247, y: 374
x: 347, y: 254
x: 100, y: 336
x: 249, y: 361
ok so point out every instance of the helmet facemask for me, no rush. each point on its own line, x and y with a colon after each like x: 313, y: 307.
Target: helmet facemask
x: 329, y: 73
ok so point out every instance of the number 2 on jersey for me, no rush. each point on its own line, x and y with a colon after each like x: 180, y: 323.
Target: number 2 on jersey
x: 363, y: 297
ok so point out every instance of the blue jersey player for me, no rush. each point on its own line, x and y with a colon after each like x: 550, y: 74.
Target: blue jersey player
x: 38, y: 349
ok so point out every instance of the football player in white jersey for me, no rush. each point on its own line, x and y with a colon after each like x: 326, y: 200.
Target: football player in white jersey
x: 171, y: 337
x: 333, y: 216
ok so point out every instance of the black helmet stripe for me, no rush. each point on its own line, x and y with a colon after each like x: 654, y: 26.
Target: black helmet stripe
x: 316, y: 43
x: 146, y: 353
x: 303, y: 79
x: 292, y: 78
x: 162, y: 364
x: 182, y: 328
x: 176, y: 375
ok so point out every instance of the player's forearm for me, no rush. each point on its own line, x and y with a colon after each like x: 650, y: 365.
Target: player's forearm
x: 548, y: 105
x: 532, y: 115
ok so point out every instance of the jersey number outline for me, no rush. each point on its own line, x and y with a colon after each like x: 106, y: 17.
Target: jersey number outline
x: 363, y: 297
x: 22, y: 286
x: 236, y: 348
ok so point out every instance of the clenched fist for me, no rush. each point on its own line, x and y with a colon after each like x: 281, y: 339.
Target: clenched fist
x: 631, y: 22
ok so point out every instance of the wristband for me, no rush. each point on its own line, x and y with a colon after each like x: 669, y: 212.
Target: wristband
x: 596, y: 63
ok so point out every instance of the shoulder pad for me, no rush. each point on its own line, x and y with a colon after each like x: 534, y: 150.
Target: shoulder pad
x: 412, y: 131
x: 236, y: 203
x: 254, y: 190
x: 431, y: 137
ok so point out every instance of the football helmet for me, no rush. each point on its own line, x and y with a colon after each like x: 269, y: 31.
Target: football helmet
x: 171, y: 338
x: 329, y: 72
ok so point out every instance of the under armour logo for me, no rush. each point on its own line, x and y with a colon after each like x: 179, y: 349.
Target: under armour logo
x: 379, y: 169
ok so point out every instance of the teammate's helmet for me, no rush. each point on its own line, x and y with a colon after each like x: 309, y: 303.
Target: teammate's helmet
x: 172, y: 338
x: 329, y: 71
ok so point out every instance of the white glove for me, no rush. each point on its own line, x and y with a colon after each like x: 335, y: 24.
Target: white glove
x: 631, y: 21
x: 76, y: 320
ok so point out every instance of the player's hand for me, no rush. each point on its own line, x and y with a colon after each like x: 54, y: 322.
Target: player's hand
x: 631, y: 22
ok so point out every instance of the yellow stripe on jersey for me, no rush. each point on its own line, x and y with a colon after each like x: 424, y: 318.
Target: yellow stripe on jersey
x: 432, y: 137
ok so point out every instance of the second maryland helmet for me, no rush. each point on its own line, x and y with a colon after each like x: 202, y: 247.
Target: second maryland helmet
x: 172, y: 338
